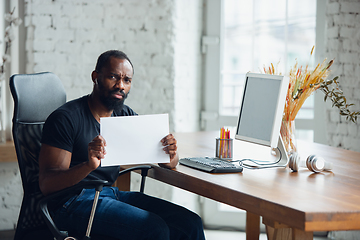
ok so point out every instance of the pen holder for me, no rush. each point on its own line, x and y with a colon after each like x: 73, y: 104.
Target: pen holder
x: 224, y: 148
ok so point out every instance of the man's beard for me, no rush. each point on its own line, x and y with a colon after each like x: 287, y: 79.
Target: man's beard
x: 112, y: 103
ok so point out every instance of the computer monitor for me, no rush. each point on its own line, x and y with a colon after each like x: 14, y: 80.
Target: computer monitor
x: 261, y: 109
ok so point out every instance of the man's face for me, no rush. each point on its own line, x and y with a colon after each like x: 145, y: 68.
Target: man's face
x: 114, y: 82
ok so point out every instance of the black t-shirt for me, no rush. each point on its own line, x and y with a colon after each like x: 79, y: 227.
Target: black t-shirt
x: 71, y: 127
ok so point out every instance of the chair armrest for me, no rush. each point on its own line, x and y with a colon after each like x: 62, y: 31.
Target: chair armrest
x: 144, y: 171
x: 43, y: 204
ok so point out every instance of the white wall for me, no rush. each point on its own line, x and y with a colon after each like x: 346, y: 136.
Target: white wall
x: 10, y: 195
x: 66, y: 37
x: 187, y: 64
x: 343, y: 44
x: 162, y: 39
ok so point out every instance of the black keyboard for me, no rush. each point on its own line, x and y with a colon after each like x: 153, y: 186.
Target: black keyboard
x: 212, y: 165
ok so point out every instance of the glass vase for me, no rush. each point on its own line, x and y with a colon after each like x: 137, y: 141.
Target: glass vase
x: 287, y: 132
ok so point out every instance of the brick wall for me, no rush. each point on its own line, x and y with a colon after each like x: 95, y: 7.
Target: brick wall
x: 343, y: 44
x: 10, y: 195
x: 66, y: 37
x: 162, y: 39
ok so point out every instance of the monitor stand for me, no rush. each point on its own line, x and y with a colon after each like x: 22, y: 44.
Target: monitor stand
x: 284, y: 156
x: 259, y: 156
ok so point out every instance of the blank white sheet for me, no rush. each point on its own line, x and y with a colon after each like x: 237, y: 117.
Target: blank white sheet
x: 134, y: 139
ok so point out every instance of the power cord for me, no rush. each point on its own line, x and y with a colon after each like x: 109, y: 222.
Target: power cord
x: 260, y: 164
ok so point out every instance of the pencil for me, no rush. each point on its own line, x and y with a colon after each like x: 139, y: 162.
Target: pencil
x: 220, y: 143
x: 227, y: 144
x: 224, y: 144
x: 230, y: 146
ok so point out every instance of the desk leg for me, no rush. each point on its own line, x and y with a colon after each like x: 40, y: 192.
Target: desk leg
x: 279, y: 231
x: 123, y: 182
x: 252, y: 226
x: 301, y: 235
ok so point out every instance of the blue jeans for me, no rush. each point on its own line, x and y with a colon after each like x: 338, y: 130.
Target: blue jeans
x: 128, y: 215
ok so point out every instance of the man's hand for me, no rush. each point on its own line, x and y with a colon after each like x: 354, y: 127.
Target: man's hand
x: 96, y: 152
x: 170, y: 147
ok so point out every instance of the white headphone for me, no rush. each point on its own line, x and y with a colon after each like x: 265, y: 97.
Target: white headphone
x: 96, y: 81
x: 313, y: 163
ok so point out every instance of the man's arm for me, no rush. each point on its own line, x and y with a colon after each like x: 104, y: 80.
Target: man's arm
x: 54, y: 166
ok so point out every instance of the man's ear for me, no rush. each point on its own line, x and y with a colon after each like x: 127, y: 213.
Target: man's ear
x: 94, y: 76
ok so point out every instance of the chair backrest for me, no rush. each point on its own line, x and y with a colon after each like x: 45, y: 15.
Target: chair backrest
x: 35, y: 97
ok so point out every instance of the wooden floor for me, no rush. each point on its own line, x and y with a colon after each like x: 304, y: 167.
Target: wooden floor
x: 238, y: 235
x: 210, y: 235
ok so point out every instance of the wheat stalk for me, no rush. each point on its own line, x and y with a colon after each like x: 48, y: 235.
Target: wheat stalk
x: 304, y: 82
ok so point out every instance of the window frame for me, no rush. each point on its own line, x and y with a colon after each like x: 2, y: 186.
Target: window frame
x: 211, y: 118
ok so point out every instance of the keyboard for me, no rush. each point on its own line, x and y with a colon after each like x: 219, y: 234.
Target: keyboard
x: 212, y: 165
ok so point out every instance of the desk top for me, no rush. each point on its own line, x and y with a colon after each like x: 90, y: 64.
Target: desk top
x: 304, y: 200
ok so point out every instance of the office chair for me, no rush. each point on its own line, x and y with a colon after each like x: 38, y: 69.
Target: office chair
x: 35, y: 97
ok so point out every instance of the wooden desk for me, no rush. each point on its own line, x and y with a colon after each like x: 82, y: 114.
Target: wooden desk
x: 292, y: 204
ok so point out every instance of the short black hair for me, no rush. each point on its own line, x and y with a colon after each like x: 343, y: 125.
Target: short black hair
x: 104, y: 58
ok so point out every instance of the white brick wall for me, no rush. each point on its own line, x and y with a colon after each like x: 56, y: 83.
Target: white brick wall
x: 66, y: 37
x: 343, y: 44
x: 10, y: 195
x: 161, y: 37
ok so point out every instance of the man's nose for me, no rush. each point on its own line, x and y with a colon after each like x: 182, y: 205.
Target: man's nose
x: 120, y: 84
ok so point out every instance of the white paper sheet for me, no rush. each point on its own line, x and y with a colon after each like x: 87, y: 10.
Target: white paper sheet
x: 134, y: 139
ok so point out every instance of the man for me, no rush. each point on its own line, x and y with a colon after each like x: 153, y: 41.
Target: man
x: 72, y: 151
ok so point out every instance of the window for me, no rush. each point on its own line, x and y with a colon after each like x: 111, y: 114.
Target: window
x: 245, y: 35
x: 260, y: 32
x: 254, y: 34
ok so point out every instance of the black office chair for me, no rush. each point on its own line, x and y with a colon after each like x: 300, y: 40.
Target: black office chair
x: 35, y: 97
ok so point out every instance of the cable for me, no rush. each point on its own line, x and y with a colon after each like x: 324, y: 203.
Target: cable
x: 259, y: 163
